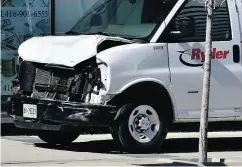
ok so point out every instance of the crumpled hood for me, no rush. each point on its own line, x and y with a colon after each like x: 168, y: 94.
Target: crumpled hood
x: 62, y: 50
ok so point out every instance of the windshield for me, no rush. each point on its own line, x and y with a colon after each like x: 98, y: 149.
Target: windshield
x: 125, y: 18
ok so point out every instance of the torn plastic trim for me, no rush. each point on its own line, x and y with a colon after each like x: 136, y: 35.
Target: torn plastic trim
x: 59, y: 67
x: 60, y: 103
x: 63, y: 112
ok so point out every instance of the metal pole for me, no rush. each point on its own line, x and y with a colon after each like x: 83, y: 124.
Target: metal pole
x: 52, y: 17
x: 206, y: 85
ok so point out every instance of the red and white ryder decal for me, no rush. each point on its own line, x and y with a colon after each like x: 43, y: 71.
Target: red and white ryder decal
x: 198, y: 56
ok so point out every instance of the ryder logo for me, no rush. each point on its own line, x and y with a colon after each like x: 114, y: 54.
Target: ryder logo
x: 199, y: 56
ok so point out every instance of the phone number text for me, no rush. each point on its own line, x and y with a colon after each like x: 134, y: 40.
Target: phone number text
x: 14, y: 14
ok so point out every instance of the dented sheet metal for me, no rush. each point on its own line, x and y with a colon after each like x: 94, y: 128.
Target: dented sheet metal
x: 63, y: 50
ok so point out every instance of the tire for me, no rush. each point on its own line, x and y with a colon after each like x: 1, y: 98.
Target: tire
x: 127, y: 132
x: 55, y: 138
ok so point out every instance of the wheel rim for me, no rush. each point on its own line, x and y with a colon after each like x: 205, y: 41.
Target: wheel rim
x: 144, y: 123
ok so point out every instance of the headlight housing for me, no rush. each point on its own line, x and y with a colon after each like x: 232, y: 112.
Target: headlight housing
x: 102, y: 97
x: 104, y: 69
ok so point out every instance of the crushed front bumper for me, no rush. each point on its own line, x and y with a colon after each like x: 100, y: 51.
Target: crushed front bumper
x: 59, y: 115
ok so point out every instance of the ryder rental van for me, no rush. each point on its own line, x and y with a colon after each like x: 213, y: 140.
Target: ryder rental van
x: 135, y: 66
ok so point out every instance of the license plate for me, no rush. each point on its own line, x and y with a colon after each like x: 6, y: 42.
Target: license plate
x: 29, y: 111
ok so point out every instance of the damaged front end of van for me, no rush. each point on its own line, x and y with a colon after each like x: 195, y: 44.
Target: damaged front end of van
x: 62, y: 84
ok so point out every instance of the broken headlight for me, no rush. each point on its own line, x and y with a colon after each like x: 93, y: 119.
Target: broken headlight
x: 99, y: 95
x: 104, y: 74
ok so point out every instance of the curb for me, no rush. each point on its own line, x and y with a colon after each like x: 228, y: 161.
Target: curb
x: 216, y: 160
x: 195, y: 161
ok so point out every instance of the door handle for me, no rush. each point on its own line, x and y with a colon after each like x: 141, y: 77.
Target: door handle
x: 236, y: 53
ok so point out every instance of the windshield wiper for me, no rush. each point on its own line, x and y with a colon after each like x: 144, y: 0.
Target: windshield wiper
x: 99, y: 33
x: 72, y: 33
x: 92, y: 33
x: 102, y: 33
x: 111, y: 34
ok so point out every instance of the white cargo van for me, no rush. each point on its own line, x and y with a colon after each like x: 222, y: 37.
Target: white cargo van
x: 135, y: 66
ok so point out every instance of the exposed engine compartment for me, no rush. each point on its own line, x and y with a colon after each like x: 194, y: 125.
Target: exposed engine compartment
x: 59, y: 82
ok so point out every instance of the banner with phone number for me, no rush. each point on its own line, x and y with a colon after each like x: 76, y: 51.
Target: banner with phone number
x: 20, y: 20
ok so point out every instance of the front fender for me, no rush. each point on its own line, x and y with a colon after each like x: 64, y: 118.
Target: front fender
x: 140, y: 80
x: 165, y: 85
x: 131, y: 62
x: 159, y: 85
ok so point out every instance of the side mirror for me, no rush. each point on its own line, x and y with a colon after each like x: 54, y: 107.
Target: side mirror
x: 96, y: 20
x: 185, y: 27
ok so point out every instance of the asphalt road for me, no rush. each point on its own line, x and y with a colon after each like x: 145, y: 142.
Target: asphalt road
x: 99, y: 150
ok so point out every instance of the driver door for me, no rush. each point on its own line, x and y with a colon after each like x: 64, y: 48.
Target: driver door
x: 187, y: 54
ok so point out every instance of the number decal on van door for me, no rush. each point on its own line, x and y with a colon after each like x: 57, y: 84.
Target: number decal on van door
x: 158, y: 47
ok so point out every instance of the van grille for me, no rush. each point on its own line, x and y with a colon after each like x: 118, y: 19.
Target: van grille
x: 44, y: 77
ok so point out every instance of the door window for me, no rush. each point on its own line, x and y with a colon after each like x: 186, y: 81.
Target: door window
x: 195, y: 11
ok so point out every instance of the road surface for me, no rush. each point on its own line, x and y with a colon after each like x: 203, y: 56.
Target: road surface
x: 99, y: 150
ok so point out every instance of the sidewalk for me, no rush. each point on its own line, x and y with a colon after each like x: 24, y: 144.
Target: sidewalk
x: 215, y: 158
x: 195, y: 163
x: 224, y: 149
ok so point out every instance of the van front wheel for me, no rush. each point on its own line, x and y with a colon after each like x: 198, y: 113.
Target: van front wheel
x: 142, y: 128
